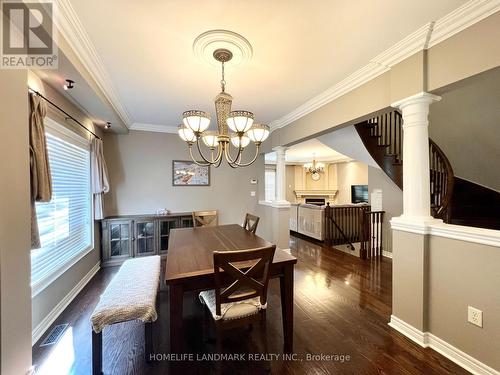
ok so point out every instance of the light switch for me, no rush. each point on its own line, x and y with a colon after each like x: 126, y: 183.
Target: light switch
x: 252, y: 193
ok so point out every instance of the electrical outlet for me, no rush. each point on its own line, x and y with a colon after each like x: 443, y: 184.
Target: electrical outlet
x: 475, y: 316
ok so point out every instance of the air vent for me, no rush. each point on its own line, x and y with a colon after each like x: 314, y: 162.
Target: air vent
x: 54, y: 335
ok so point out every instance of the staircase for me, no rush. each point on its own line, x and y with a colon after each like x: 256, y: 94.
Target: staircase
x: 383, y: 138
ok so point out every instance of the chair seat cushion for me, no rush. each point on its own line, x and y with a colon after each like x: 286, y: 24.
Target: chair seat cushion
x: 233, y: 310
x: 131, y: 295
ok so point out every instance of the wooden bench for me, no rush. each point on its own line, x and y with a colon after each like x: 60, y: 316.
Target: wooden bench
x: 131, y: 295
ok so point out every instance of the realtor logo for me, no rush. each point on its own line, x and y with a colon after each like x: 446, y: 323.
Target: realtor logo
x: 28, y: 35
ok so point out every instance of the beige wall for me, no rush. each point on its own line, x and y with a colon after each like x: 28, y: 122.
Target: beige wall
x: 436, y: 278
x: 44, y: 302
x: 351, y: 173
x: 140, y: 169
x: 290, y: 183
x: 15, y: 223
x: 392, y: 201
x: 465, y: 126
x: 465, y: 274
x: 470, y: 52
x: 409, y: 273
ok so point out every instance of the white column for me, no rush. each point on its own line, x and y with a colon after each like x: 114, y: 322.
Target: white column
x: 416, y: 174
x: 280, y: 175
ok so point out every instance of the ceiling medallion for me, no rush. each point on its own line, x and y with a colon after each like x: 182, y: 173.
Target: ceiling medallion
x: 207, y: 43
x: 241, y: 123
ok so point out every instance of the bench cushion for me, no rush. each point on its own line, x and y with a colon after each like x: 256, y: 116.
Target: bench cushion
x: 131, y: 295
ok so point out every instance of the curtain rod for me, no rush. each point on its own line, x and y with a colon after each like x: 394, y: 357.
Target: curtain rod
x: 63, y: 111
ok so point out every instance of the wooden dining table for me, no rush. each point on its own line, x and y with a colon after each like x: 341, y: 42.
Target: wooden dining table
x: 190, y: 268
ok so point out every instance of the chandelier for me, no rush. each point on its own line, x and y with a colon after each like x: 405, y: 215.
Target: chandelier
x: 314, y: 168
x: 241, y: 123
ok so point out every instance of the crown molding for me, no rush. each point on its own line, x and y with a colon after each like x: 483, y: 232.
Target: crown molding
x: 405, y: 48
x: 153, y: 128
x: 358, y: 78
x: 71, y: 28
x: 425, y: 37
x: 461, y: 18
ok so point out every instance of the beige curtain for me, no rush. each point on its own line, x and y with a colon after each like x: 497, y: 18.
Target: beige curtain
x: 100, y: 184
x: 41, y: 182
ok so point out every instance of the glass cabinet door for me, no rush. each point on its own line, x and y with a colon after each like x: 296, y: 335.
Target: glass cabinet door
x: 186, y: 222
x: 145, y: 238
x: 120, y: 239
x: 165, y: 225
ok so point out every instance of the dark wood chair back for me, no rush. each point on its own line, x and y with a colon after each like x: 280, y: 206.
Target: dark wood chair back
x: 205, y: 218
x: 250, y: 280
x: 251, y: 222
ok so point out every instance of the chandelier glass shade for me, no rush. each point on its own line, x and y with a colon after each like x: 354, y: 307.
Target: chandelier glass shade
x: 186, y: 133
x: 236, y: 128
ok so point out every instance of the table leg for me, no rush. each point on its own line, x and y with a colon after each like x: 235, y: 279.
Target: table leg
x: 286, y: 288
x: 176, y: 302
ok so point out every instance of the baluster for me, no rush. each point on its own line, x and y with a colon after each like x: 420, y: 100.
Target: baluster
x: 384, y: 138
x: 373, y: 236
x: 390, y: 134
x: 400, y: 126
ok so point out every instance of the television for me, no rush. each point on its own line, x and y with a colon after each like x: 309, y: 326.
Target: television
x: 359, y: 193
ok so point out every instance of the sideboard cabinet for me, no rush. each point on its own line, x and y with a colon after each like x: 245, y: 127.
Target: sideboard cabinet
x: 131, y: 236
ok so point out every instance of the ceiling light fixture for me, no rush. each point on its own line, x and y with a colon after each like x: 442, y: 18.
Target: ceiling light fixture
x: 195, y: 127
x: 314, y: 169
x: 69, y: 85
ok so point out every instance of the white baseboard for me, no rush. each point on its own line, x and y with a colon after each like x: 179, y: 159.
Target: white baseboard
x: 428, y: 340
x: 409, y: 331
x: 386, y: 254
x: 59, y: 308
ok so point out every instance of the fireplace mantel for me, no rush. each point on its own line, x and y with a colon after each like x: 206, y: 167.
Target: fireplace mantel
x: 329, y: 194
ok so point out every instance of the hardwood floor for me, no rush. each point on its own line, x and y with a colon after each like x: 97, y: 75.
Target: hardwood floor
x: 342, y: 306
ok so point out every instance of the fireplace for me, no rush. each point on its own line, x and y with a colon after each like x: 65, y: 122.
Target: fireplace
x: 318, y: 197
x: 316, y: 201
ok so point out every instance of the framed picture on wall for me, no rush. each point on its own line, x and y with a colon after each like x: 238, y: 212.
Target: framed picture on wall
x: 188, y: 173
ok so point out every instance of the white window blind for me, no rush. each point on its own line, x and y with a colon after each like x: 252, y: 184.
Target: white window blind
x: 270, y: 184
x: 64, y: 223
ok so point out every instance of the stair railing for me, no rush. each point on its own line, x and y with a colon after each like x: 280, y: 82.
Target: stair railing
x: 388, y: 128
x: 383, y: 137
x: 442, y: 181
x: 344, y: 225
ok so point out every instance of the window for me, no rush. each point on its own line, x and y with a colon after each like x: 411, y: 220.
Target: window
x: 270, y: 184
x: 64, y: 223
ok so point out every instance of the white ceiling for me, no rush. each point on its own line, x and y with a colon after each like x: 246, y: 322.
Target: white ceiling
x: 303, y: 153
x: 299, y: 50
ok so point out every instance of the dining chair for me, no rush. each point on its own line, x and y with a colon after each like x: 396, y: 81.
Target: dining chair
x: 240, y: 294
x: 251, y: 222
x: 205, y: 218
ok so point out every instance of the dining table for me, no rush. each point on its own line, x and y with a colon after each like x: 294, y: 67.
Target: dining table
x: 190, y: 268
